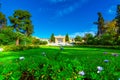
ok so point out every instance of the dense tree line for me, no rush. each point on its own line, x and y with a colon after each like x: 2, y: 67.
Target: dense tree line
x: 110, y: 31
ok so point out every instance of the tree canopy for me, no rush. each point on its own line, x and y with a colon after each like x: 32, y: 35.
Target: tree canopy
x: 3, y: 20
x: 78, y: 38
x: 21, y: 23
x: 52, y: 38
x: 118, y: 19
x: 67, y: 38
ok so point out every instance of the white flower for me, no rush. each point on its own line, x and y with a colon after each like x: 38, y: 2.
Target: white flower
x: 98, y: 71
x: 21, y: 58
x: 106, y: 61
x: 1, y: 49
x: 82, y: 73
x: 99, y: 68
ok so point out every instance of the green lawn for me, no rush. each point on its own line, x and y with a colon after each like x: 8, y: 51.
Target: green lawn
x: 59, y: 65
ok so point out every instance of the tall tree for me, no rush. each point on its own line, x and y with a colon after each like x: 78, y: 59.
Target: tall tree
x: 118, y: 20
x: 67, y: 38
x: 52, y: 38
x: 3, y: 20
x: 21, y: 23
x: 100, y: 24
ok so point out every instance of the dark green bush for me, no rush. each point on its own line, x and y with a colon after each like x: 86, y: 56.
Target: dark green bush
x: 43, y: 42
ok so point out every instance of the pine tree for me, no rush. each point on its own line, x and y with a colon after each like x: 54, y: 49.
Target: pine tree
x: 52, y: 38
x: 3, y: 20
x: 118, y: 20
x: 67, y: 38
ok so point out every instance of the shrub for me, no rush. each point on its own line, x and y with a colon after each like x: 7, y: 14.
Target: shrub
x: 19, y: 48
x: 43, y: 42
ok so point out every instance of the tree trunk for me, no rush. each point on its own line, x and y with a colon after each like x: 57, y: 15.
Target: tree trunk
x: 17, y: 42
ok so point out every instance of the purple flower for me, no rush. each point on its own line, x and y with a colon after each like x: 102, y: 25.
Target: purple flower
x: 82, y: 73
x: 115, y: 54
x: 99, y: 68
x: 106, y: 61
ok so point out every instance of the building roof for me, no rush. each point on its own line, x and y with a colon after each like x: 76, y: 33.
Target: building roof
x: 59, y: 36
x: 44, y: 39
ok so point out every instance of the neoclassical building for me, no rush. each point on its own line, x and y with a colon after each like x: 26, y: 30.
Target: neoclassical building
x: 60, y: 39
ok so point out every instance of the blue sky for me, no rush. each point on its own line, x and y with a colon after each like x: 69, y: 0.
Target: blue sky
x: 74, y: 17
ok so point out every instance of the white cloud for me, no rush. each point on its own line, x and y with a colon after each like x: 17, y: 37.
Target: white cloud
x: 92, y: 30
x: 67, y: 10
x: 112, y: 10
x: 71, y: 8
x: 65, y: 7
x: 80, y: 34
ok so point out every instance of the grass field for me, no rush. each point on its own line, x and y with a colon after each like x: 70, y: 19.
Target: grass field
x: 58, y: 64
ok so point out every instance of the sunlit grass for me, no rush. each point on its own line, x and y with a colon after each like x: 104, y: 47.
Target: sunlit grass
x: 84, y: 59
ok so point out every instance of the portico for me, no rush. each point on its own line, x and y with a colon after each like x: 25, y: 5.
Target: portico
x: 60, y: 39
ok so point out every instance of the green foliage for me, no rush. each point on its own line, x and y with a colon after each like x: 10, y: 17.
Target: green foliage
x: 118, y: 40
x: 107, y: 39
x: 43, y: 42
x: 19, y: 48
x: 89, y: 38
x: 7, y: 36
x: 100, y: 24
x: 52, y: 38
x: 66, y: 66
x: 116, y: 47
x: 21, y: 23
x: 118, y: 19
x: 111, y: 27
x: 67, y: 38
x: 78, y: 38
x: 35, y: 41
x: 3, y: 20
